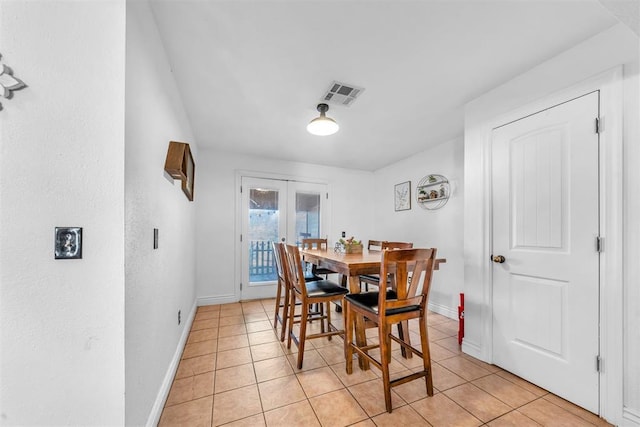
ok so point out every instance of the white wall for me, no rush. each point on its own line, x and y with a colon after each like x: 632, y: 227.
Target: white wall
x: 351, y: 193
x: 158, y: 282
x: 612, y: 48
x: 62, y: 164
x: 442, y: 228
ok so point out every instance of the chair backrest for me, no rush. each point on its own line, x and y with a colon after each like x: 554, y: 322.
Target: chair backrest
x: 320, y: 244
x: 375, y: 245
x: 397, y: 245
x: 294, y: 273
x: 279, y: 257
x: 409, y: 272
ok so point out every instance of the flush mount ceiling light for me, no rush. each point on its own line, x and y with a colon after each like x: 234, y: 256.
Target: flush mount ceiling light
x: 322, y: 125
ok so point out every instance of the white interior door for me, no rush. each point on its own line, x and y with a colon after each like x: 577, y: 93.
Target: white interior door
x: 546, y: 225
x: 275, y: 210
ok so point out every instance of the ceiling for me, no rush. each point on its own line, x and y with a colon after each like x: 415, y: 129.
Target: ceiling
x: 252, y: 72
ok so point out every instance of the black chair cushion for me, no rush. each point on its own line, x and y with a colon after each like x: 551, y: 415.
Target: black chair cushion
x: 311, y: 270
x: 310, y: 277
x: 369, y: 301
x: 323, y: 288
x: 322, y: 270
x: 370, y: 277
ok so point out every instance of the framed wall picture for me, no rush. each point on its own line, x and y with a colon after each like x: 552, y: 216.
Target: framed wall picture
x: 402, y: 196
x: 68, y: 243
x: 189, y: 168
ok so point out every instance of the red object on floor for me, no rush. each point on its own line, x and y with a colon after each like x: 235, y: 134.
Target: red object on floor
x: 461, y: 319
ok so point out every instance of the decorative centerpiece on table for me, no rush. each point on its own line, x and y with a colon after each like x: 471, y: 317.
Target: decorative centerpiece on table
x: 349, y: 246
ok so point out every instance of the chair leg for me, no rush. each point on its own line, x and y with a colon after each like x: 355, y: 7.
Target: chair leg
x: 426, y: 355
x: 348, y: 338
x: 403, y: 329
x: 278, y: 296
x: 302, y: 336
x: 328, y: 308
x: 385, y: 359
x: 285, y: 314
x: 321, y: 310
x: 292, y: 313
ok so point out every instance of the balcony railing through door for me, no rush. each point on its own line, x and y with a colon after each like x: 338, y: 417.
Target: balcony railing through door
x: 261, y: 263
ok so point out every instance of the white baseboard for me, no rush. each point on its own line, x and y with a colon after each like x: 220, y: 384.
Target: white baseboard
x: 443, y: 310
x: 473, y: 350
x: 221, y: 299
x: 631, y: 417
x: 163, y: 393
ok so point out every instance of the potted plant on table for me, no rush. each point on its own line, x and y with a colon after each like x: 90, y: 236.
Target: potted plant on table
x: 351, y: 246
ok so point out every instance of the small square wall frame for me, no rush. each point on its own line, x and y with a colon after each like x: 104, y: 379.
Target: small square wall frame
x: 68, y: 243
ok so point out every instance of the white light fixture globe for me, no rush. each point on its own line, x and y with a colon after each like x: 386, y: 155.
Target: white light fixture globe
x: 323, y: 125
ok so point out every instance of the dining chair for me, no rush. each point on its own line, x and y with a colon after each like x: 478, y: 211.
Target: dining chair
x: 283, y: 292
x: 320, y: 292
x: 374, y: 279
x: 378, y: 245
x: 371, y: 279
x: 410, y: 272
x: 320, y: 244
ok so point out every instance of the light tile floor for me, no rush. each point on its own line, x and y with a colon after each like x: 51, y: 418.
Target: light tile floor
x: 235, y: 372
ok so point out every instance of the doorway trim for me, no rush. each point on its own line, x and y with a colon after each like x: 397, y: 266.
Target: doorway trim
x: 478, y: 284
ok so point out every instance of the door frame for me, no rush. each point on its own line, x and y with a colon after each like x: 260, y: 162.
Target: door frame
x: 240, y: 173
x: 478, y: 286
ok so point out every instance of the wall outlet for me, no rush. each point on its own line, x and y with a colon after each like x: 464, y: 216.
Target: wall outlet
x: 179, y: 317
x: 344, y: 234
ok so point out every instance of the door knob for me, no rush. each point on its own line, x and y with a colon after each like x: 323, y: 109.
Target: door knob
x: 498, y: 258
x: 283, y: 239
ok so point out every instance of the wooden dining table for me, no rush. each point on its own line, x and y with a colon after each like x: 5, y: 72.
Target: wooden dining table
x: 351, y: 266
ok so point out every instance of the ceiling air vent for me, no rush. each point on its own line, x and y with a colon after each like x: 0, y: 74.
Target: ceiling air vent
x: 342, y: 94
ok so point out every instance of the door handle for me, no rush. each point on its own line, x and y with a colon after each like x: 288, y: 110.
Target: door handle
x: 283, y: 239
x: 498, y: 259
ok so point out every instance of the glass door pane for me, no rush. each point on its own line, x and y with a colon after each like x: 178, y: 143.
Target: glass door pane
x: 264, y: 210
x: 264, y: 216
x: 307, y: 216
x: 308, y: 211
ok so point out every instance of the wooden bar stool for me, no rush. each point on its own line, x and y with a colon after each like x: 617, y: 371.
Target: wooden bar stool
x: 322, y: 245
x: 379, y: 245
x: 408, y: 271
x: 374, y: 279
x: 320, y: 292
x: 371, y: 279
x: 283, y: 293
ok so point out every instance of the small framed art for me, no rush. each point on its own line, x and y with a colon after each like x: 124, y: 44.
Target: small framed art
x: 68, y: 243
x: 189, y: 171
x: 402, y: 196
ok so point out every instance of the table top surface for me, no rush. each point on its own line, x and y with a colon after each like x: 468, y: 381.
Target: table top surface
x: 365, y: 257
x: 367, y: 261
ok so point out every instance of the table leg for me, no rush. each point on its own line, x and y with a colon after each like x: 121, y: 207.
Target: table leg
x: 361, y: 339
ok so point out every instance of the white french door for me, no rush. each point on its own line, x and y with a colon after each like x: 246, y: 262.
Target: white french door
x: 275, y: 210
x: 546, y: 263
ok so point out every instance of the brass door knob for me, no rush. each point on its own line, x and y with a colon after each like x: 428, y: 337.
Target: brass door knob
x: 498, y: 258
